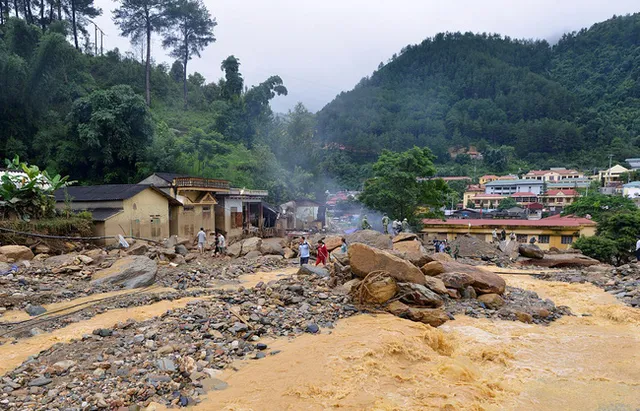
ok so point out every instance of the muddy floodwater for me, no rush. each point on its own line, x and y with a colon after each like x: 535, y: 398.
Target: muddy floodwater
x: 587, y: 362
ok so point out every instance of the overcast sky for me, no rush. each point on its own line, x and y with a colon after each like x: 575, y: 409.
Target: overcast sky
x: 323, y: 47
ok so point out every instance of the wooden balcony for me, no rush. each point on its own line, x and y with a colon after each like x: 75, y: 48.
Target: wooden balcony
x: 200, y: 184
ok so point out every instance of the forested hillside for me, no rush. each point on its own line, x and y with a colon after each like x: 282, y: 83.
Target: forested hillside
x: 570, y: 104
x: 85, y: 115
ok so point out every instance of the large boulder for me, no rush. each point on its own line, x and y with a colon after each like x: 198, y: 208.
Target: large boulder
x: 435, y: 317
x: 138, y: 249
x: 435, y: 284
x: 342, y: 258
x: 530, y: 251
x: 433, y: 268
x: 457, y: 281
x: 253, y: 254
x: 271, y: 248
x: 61, y: 260
x: 131, y: 272
x: 569, y: 262
x: 364, y: 259
x: 484, y: 282
x: 491, y: 301
x: 289, y: 253
x: 412, y: 251
x: 17, y: 252
x: 332, y: 242
x: 441, y: 257
x: 244, y: 247
x: 308, y: 269
x: 404, y: 237
x: 371, y: 238
x: 416, y: 294
x: 377, y: 291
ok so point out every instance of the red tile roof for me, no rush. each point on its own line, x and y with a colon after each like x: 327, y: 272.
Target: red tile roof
x: 487, y: 196
x: 555, y: 221
x: 524, y: 194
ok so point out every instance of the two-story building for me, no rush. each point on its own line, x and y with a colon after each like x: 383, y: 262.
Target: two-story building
x: 554, y: 175
x: 509, y: 187
x: 554, y: 199
x: 612, y: 175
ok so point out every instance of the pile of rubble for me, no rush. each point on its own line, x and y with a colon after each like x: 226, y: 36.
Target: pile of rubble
x: 174, y: 359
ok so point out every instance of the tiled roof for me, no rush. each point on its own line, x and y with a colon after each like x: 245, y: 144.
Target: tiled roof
x: 514, y: 182
x: 556, y: 221
x: 524, y: 194
x: 567, y: 192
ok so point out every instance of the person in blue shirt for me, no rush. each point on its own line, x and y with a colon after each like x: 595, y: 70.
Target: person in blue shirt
x: 343, y: 247
x: 304, y: 250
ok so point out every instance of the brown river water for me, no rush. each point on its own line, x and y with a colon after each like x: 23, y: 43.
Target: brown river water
x: 381, y: 362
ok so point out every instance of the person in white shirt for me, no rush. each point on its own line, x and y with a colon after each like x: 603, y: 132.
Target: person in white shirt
x: 638, y: 249
x: 222, y: 244
x: 202, y: 239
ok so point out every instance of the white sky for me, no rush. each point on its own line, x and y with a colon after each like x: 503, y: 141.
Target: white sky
x: 323, y: 47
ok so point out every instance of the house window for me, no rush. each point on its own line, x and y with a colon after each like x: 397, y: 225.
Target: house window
x: 567, y: 239
x: 543, y: 239
x: 522, y: 238
x: 187, y: 209
x: 156, y: 228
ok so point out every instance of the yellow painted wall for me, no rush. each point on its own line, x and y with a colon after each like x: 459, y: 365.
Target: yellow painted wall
x: 485, y: 233
x: 136, y: 216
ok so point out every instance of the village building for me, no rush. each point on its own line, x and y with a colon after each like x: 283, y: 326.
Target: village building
x: 611, y: 176
x: 575, y: 183
x: 632, y: 191
x: 214, y: 205
x: 509, y: 187
x: 554, y: 199
x: 127, y: 209
x: 553, y: 175
x: 302, y: 214
x: 525, y: 198
x: 634, y: 163
x: 487, y: 201
x: 471, y: 191
x: 487, y: 178
x: 556, y: 231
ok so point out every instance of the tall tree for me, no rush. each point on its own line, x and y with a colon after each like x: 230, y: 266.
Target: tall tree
x: 81, y: 11
x: 191, y: 30
x: 233, y: 79
x: 138, y: 18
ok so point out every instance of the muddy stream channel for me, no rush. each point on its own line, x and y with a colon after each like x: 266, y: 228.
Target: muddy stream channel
x: 590, y: 361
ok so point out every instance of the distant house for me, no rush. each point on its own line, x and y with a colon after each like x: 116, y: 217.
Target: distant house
x: 525, y: 197
x: 302, y: 214
x: 509, y: 187
x: 487, y: 178
x: 559, y: 232
x: 487, y: 201
x: 634, y: 163
x: 612, y: 175
x: 632, y: 190
x: 559, y: 198
x: 553, y: 175
x: 470, y: 192
x: 583, y: 182
x: 127, y: 209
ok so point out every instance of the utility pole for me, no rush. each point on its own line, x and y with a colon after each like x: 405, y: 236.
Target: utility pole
x: 95, y: 41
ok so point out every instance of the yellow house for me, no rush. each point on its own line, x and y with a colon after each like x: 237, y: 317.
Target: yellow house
x: 612, y: 175
x: 487, y: 178
x: 470, y: 192
x: 556, y: 231
x: 128, y: 209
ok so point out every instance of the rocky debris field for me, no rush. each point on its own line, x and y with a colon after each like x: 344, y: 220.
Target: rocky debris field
x: 173, y: 359
x: 623, y: 282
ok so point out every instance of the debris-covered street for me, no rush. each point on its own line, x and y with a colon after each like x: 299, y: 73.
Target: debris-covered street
x: 387, y: 325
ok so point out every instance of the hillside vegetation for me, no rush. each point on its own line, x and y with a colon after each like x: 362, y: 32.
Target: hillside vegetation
x: 570, y: 104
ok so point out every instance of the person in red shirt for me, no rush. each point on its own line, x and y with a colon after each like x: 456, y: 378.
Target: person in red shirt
x: 323, y: 253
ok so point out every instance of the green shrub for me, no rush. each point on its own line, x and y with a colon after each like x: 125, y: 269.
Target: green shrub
x: 598, y: 247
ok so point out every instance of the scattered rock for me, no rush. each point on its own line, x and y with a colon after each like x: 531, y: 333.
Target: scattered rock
x: 289, y: 253
x: 34, y: 310
x: 130, y: 272
x: 457, y: 281
x: 63, y: 366
x: 492, y: 301
x: 308, y: 269
x: 40, y: 381
x: 433, y: 268
x: 435, y: 284
x: 17, y: 252
x: 404, y: 237
x: 166, y: 364
x: 181, y: 249
x: 253, y: 254
x: 312, y: 328
x: 412, y: 251
x: 524, y: 317
x: 416, y: 294
x: 138, y: 249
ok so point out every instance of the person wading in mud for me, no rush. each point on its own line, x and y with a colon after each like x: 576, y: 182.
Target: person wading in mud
x: 304, y: 249
x: 323, y: 253
x: 202, y: 239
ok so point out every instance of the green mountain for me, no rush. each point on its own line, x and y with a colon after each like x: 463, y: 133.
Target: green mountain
x: 570, y: 104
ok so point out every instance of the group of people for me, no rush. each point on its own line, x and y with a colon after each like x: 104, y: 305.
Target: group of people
x: 396, y: 225
x: 442, y: 246
x: 220, y: 243
x: 322, y: 253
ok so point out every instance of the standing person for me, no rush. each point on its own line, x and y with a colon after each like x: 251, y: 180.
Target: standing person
x: 494, y: 235
x: 436, y: 245
x: 396, y: 227
x: 638, y: 249
x: 323, y: 253
x: 503, y: 235
x: 343, y: 246
x: 443, y: 246
x: 456, y: 252
x: 385, y: 223
x: 405, y: 225
x: 304, y: 249
x: 216, y: 248
x: 222, y: 244
x: 512, y: 236
x: 202, y: 239
x: 532, y: 241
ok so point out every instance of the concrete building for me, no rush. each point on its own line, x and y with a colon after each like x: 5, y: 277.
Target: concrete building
x: 509, y: 187
x: 487, y: 178
x: 554, y: 199
x: 470, y: 192
x: 553, y: 175
x: 487, y: 201
x: 127, y: 209
x: 556, y: 231
x: 214, y: 205
x: 574, y: 183
x: 302, y: 214
x: 612, y: 175
x: 634, y: 163
x: 632, y: 190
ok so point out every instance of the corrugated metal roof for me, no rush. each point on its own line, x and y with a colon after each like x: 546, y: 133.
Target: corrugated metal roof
x: 103, y: 214
x: 107, y: 192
